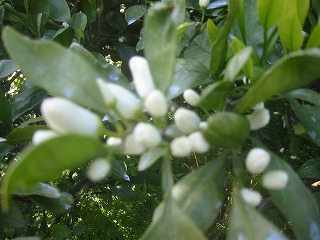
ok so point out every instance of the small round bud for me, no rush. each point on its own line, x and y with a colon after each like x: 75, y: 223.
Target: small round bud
x: 191, y: 97
x: 147, y: 135
x: 259, y: 105
x: 65, y: 24
x: 204, y: 3
x: 203, y: 125
x: 259, y: 118
x: 180, y: 147
x: 257, y: 160
x: 114, y: 141
x: 42, y: 136
x: 98, y: 169
x: 251, y: 197
x: 275, y: 180
x: 132, y: 146
x: 186, y: 120
x: 156, y: 104
x: 198, y: 143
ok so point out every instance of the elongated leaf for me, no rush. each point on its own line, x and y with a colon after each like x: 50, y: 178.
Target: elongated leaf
x: 24, y: 135
x: 5, y: 116
x: 79, y: 21
x: 58, y: 70
x: 150, y: 157
x: 293, y: 71
x: 201, y: 188
x: 7, y: 67
x: 270, y: 12
x: 310, y: 169
x: 64, y: 36
x: 134, y: 13
x: 247, y: 223
x: 47, y: 160
x: 160, y: 44
x: 305, y: 219
x: 40, y: 189
x: 314, y: 39
x: 306, y: 95
x: 188, y: 74
x: 169, y: 222
x: 12, y: 219
x: 39, y: 14
x: 59, y: 11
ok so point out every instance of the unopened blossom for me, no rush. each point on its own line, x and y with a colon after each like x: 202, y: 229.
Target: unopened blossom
x: 132, y: 146
x: 64, y: 116
x: 114, y: 141
x: 141, y: 74
x: 42, y: 136
x: 147, y: 135
x: 65, y: 24
x: 198, y: 143
x: 251, y: 197
x: 191, y: 97
x: 3, y: 139
x: 125, y: 101
x: 186, y: 120
x: 203, y: 125
x: 259, y: 105
x: 156, y: 104
x: 259, y: 118
x: 98, y: 169
x: 180, y: 147
x: 257, y: 160
x: 276, y: 179
x: 204, y: 3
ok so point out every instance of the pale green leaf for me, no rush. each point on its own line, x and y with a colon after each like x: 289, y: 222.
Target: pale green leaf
x: 59, y: 11
x: 270, y: 12
x: 134, y: 13
x: 314, y: 39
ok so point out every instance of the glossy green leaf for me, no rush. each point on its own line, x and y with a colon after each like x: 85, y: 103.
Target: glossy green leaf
x: 270, y: 12
x: 160, y: 44
x: 59, y: 11
x: 119, y: 170
x: 12, y: 219
x: 305, y: 94
x: 40, y: 189
x: 150, y: 157
x: 123, y: 192
x: 169, y: 222
x: 39, y: 14
x: 247, y: 223
x: 300, y: 7
x: 92, y: 11
x: 60, y: 231
x: 309, y: 116
x: 28, y: 97
x: 47, y: 160
x: 24, y: 135
x: 134, y: 13
x: 203, y: 187
x: 64, y: 36
x: 310, y: 169
x: 214, y: 96
x: 79, y: 21
x: 236, y: 63
x: 56, y: 205
x: 7, y: 67
x: 58, y: 70
x: 213, y: 31
x: 5, y: 116
x: 290, y: 31
x: 188, y: 74
x: 4, y: 149
x: 305, y: 219
x: 314, y: 39
x: 182, y: 28
x: 226, y: 129
x: 293, y: 71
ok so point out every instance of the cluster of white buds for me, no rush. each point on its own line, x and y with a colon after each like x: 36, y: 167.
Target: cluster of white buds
x: 251, y: 197
x: 259, y: 118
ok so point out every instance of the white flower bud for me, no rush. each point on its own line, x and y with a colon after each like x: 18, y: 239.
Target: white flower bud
x: 114, y: 141
x: 276, y: 179
x: 257, y: 160
x: 191, y: 97
x: 251, y: 197
x: 186, y: 120
x: 156, y: 104
x: 64, y: 116
x: 180, y: 147
x: 65, y: 24
x: 126, y: 102
x: 198, y: 143
x: 203, y: 125
x: 204, y: 3
x: 259, y: 105
x: 147, y: 135
x: 141, y: 75
x: 98, y: 169
x: 259, y: 118
x: 132, y: 146
x: 42, y: 136
x: 3, y: 139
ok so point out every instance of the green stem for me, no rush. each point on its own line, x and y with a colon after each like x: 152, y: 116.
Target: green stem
x: 166, y: 176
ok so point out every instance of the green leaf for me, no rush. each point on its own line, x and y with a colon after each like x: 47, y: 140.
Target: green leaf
x: 236, y: 63
x: 310, y: 169
x: 5, y: 116
x: 309, y: 116
x: 290, y: 31
x: 293, y: 71
x: 4, y: 149
x: 270, y: 12
x: 79, y: 21
x: 305, y: 95
x: 64, y: 73
x: 119, y: 170
x: 188, y: 74
x: 40, y: 189
x: 314, y: 39
x: 47, y: 160
x: 169, y: 222
x: 213, y: 31
x: 92, y: 9
x: 301, y: 7
x: 7, y: 67
x: 59, y: 11
x: 150, y: 157
x: 159, y: 35
x: 39, y: 14
x: 247, y: 223
x: 226, y: 129
x: 134, y: 13
x: 60, y: 231
x: 12, y: 219
x: 26, y: 238
x: 203, y: 187
x: 24, y: 135
x: 64, y: 36
x: 123, y: 192
x: 305, y: 219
